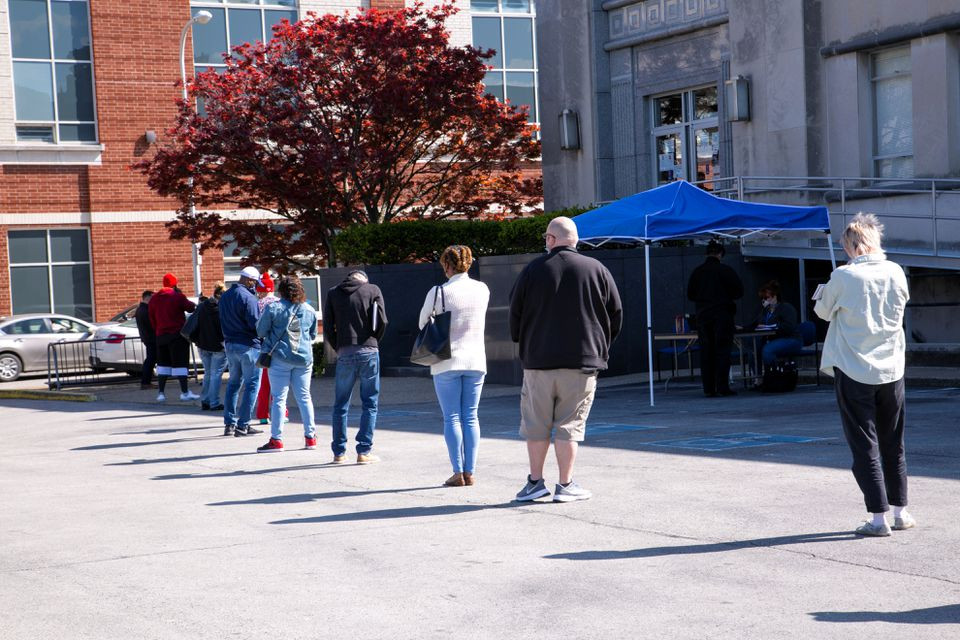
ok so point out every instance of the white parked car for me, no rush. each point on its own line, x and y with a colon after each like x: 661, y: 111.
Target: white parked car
x: 118, y: 346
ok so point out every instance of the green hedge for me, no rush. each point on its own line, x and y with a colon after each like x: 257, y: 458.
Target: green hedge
x: 425, y: 240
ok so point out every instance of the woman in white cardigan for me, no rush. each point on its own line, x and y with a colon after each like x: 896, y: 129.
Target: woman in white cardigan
x: 459, y: 380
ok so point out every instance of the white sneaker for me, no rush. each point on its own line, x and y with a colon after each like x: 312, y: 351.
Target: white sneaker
x: 161, y: 397
x: 571, y: 493
x: 189, y: 395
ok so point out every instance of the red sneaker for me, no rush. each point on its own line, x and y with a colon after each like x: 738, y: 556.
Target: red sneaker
x: 272, y: 445
x: 310, y: 443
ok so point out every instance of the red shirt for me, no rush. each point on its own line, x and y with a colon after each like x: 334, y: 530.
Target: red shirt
x: 167, y: 307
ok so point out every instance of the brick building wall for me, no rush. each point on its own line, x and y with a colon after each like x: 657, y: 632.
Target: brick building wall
x: 135, y: 68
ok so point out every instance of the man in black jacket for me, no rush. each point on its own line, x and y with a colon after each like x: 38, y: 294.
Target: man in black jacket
x: 208, y: 337
x: 714, y: 286
x: 148, y: 338
x: 354, y: 320
x: 565, y: 312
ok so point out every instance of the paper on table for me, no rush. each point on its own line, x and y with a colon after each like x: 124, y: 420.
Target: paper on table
x: 766, y: 327
x: 818, y: 293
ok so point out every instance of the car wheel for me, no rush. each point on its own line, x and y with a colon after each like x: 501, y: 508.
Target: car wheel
x: 10, y: 367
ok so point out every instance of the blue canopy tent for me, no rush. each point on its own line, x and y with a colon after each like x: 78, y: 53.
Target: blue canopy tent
x: 680, y: 210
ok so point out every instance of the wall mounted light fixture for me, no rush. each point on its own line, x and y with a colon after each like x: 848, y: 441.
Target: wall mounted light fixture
x: 737, y: 99
x: 569, y: 129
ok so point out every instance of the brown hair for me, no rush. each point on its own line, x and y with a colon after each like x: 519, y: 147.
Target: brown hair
x: 290, y: 288
x: 219, y: 288
x: 457, y: 258
x: 772, y: 287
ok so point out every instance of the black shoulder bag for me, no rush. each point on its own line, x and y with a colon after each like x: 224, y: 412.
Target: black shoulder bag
x: 433, y: 342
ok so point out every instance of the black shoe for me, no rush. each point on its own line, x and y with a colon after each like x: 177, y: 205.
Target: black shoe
x: 249, y: 431
x: 218, y: 407
x: 204, y: 406
x: 727, y: 392
x: 710, y: 395
x: 228, y: 430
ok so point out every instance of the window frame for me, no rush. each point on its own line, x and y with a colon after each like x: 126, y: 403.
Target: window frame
x: 50, y: 264
x: 261, y: 6
x: 52, y: 62
x: 875, y: 157
x: 503, y: 70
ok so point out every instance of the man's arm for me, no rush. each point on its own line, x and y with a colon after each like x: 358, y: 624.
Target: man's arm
x: 329, y: 322
x: 614, y: 307
x: 826, y: 306
x: 380, y: 315
x: 516, y: 305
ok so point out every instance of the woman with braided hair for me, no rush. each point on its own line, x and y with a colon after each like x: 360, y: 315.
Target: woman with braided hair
x: 459, y: 380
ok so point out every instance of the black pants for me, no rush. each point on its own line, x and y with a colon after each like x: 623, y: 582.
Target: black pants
x: 149, y: 361
x: 173, y: 351
x: 715, y: 333
x: 872, y: 416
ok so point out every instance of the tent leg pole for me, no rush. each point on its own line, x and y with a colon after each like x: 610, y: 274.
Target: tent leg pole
x: 646, y: 259
x: 833, y: 257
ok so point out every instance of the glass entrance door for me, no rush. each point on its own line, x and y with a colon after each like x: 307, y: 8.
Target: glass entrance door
x: 686, y: 136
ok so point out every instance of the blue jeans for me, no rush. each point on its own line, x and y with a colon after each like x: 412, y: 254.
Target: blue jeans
x: 243, y: 372
x: 213, y: 365
x: 283, y: 376
x: 459, y: 396
x: 364, y: 367
x: 779, y: 347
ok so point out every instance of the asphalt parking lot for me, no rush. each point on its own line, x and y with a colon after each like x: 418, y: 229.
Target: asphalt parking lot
x: 719, y: 518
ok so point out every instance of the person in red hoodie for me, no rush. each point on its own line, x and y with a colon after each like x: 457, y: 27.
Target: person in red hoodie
x: 167, y: 308
x: 266, y: 298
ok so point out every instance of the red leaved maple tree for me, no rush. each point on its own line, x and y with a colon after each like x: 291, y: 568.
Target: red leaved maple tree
x: 342, y: 120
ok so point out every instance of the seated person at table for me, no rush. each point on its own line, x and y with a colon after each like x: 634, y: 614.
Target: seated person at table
x: 781, y: 317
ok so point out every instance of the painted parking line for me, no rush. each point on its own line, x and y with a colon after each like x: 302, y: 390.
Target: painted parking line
x: 733, y: 441
x: 400, y: 413
x: 617, y: 427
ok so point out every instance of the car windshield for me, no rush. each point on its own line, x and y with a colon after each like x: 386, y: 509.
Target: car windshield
x: 129, y: 323
x: 126, y: 314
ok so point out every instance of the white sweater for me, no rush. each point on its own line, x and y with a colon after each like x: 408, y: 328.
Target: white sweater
x: 467, y: 300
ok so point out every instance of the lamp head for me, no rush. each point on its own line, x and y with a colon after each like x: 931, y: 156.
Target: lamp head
x: 203, y: 17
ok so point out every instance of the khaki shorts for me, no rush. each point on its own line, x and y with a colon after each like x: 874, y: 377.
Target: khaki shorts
x: 556, y: 399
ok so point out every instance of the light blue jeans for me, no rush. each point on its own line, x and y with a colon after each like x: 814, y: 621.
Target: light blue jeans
x: 214, y: 363
x: 459, y: 396
x: 364, y: 367
x: 243, y: 372
x: 285, y: 376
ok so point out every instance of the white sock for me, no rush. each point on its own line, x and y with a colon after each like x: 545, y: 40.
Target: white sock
x: 899, y: 511
x: 879, y: 519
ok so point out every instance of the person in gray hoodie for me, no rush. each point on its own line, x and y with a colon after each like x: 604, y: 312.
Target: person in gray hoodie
x: 354, y: 319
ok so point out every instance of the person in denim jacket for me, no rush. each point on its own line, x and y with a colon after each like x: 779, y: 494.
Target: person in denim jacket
x: 288, y: 329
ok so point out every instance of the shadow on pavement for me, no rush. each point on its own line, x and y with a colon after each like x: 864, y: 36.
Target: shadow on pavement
x: 122, y: 445
x: 311, y: 497
x: 713, y: 547
x: 179, y: 459
x: 947, y: 614
x: 407, y: 512
x: 250, y: 472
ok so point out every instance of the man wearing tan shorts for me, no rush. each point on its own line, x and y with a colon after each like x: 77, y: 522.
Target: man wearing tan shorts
x: 565, y: 311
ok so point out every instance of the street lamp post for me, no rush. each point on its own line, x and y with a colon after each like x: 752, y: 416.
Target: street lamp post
x: 201, y: 17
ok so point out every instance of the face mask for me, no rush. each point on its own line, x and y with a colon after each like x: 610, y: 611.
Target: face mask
x: 769, y: 302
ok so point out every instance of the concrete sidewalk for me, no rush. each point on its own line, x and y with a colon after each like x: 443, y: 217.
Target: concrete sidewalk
x: 719, y: 518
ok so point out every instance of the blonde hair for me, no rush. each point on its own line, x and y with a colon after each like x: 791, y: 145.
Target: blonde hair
x: 457, y: 258
x: 219, y: 288
x: 863, y: 234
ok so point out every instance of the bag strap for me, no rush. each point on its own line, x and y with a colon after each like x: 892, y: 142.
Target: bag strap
x: 443, y: 300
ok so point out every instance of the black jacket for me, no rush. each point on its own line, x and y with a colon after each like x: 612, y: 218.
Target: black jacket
x: 209, y: 335
x: 714, y: 286
x: 565, y: 312
x: 144, y: 328
x: 348, y: 315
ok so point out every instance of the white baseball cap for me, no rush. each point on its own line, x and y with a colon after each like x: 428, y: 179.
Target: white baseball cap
x: 250, y: 272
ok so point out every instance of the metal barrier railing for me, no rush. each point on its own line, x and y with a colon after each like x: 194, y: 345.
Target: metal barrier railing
x: 77, y: 363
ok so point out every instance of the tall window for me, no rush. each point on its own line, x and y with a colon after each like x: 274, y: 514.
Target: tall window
x: 893, y: 113
x: 686, y: 136
x: 507, y: 26
x: 50, y: 272
x: 52, y: 71
x: 235, y: 22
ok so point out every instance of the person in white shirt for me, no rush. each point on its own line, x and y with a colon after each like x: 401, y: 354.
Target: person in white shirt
x: 864, y: 350
x: 459, y: 380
